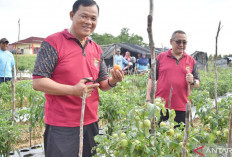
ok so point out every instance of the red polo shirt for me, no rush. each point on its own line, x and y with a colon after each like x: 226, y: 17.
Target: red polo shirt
x: 173, y: 72
x: 73, y: 63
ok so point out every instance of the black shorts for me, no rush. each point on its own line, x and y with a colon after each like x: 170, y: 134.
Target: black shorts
x: 180, y: 117
x: 64, y: 141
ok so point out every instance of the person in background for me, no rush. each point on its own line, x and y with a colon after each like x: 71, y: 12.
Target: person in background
x: 127, y: 56
x: 138, y: 56
x: 119, y: 60
x: 176, y: 69
x: 143, y: 63
x: 69, y: 63
x: 7, y: 62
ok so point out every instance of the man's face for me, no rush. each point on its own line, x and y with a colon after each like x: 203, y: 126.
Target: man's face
x: 84, y: 21
x: 4, y: 46
x: 118, y: 52
x: 179, y: 43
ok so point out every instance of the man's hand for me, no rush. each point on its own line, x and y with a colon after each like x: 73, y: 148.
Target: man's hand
x: 79, y: 88
x: 117, y: 76
x: 189, y: 78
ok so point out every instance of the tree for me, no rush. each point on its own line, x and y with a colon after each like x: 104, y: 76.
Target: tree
x: 210, y: 57
x: 124, y: 37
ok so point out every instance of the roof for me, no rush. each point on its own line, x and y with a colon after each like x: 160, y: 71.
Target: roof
x: 133, y: 48
x: 198, y: 52
x: 29, y: 40
x: 229, y: 58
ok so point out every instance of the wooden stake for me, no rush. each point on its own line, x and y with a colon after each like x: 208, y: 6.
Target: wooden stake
x: 189, y: 93
x: 215, y: 69
x: 13, y: 95
x: 185, y: 140
x: 170, y: 97
x: 153, y: 61
x: 82, y: 123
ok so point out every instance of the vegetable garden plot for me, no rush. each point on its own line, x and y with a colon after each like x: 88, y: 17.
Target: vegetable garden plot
x: 123, y: 110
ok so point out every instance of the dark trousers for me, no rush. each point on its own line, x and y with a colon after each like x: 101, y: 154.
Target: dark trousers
x: 64, y: 141
x: 2, y: 79
x: 180, y: 117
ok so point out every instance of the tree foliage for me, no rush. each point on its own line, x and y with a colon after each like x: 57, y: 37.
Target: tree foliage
x: 123, y: 37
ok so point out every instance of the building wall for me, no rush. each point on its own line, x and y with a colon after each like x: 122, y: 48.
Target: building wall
x: 27, y: 48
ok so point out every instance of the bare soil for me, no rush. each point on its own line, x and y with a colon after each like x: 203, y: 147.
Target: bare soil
x: 36, y: 138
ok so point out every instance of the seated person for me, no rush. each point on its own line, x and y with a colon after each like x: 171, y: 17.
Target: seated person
x: 143, y: 63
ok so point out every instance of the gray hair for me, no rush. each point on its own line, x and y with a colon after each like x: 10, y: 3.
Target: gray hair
x: 177, y: 31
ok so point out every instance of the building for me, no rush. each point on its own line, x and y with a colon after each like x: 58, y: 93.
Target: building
x: 30, y: 45
x: 224, y: 62
x: 202, y: 59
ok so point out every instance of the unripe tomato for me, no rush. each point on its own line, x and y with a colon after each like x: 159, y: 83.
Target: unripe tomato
x: 225, y: 131
x: 117, y: 67
x: 124, y: 143
x: 181, y: 144
x: 137, y: 144
x: 210, y: 117
x: 141, y: 125
x: 171, y: 132
x: 123, y: 135
x: 162, y: 124
x: 137, y: 118
x: 179, y: 136
x: 115, y: 136
x: 116, y: 153
x: 218, y: 133
x: 147, y: 123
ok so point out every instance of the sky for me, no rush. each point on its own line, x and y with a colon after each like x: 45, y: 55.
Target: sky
x: 198, y: 18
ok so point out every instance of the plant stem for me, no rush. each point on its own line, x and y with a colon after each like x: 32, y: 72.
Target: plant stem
x: 186, y: 130
x: 230, y: 130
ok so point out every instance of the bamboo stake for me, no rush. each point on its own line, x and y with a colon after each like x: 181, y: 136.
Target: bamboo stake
x: 185, y: 140
x: 215, y: 69
x: 189, y: 93
x: 153, y: 61
x: 230, y: 130
x: 170, y: 97
x: 81, y: 123
x: 13, y: 95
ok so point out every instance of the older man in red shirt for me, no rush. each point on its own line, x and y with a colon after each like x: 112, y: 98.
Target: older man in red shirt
x: 175, y: 68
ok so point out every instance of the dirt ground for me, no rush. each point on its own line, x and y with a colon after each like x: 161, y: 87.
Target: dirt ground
x: 36, y: 138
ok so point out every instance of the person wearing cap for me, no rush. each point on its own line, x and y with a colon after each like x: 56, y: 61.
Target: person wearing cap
x: 69, y: 63
x: 7, y: 62
x: 119, y: 60
x: 175, y: 69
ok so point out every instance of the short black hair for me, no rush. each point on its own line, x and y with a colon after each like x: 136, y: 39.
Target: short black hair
x: 177, y: 31
x: 85, y: 3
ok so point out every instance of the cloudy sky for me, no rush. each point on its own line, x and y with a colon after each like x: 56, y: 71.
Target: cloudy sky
x: 198, y: 18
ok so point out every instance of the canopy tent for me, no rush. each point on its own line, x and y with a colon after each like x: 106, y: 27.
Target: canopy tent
x: 134, y: 50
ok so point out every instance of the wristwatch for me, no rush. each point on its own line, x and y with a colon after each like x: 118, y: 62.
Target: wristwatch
x: 194, y: 82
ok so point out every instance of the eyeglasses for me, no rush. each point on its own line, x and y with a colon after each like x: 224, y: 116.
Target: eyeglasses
x: 178, y: 42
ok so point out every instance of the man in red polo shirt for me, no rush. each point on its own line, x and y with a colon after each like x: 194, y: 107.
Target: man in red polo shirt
x: 64, y: 59
x: 175, y: 68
